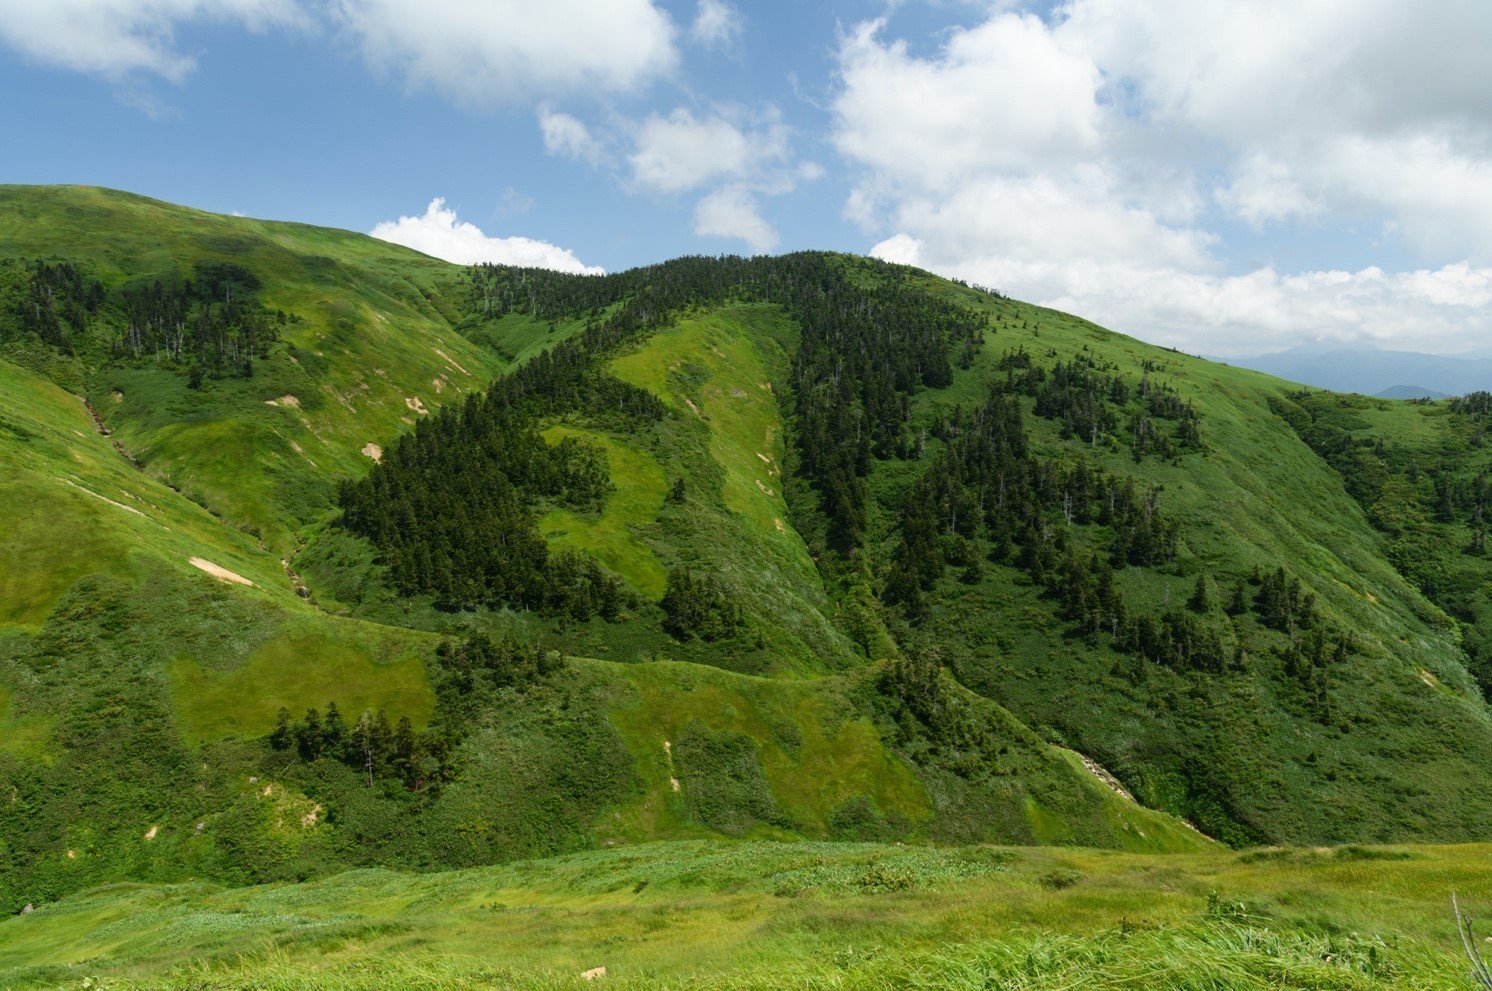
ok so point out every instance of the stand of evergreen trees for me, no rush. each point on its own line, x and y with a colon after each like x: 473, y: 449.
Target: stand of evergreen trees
x: 451, y: 511
x: 451, y: 507
x: 986, y: 484
x: 466, y: 675
x: 698, y: 606
x: 211, y: 324
x: 52, y: 301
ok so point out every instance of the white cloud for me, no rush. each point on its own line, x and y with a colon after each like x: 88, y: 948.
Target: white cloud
x: 732, y: 212
x: 731, y: 156
x: 1426, y: 310
x: 440, y: 234
x: 1325, y: 107
x: 738, y: 156
x: 1067, y: 218
x: 498, y: 51
x: 1250, y: 72
x: 1438, y: 195
x: 1002, y: 96
x: 1263, y: 189
x: 1438, y: 310
x: 1086, y: 163
x: 568, y: 137
x: 899, y: 249
x: 715, y: 23
x: 681, y: 152
x: 117, y: 37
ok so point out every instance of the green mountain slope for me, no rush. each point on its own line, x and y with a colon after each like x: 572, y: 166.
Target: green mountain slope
x: 368, y: 346
x: 384, y: 561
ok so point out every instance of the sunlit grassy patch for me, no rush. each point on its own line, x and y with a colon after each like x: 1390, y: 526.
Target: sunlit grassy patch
x: 24, y: 737
x: 306, y: 664
x: 640, y: 488
x: 815, y: 751
x: 713, y: 367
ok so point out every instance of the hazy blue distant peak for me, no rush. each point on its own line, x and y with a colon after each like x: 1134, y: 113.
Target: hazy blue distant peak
x: 1410, y: 392
x: 1373, y: 372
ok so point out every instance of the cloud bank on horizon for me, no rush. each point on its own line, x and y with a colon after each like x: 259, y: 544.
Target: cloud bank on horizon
x: 1219, y: 176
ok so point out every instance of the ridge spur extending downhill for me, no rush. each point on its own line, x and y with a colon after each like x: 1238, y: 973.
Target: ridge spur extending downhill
x: 508, y: 563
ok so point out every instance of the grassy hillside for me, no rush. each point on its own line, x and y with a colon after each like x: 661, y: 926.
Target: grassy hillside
x: 802, y: 548
x: 370, y: 346
x: 813, y: 915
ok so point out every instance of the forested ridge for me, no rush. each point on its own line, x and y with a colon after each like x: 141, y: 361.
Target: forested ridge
x: 451, y: 504
x: 871, y: 339
x: 458, y: 488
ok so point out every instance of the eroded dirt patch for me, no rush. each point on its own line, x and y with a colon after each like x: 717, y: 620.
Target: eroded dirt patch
x: 218, y: 571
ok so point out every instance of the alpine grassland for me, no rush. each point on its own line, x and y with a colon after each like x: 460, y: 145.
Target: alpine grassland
x: 371, y: 621
x: 705, y: 914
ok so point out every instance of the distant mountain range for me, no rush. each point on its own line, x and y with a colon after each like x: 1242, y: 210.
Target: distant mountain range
x: 1391, y: 374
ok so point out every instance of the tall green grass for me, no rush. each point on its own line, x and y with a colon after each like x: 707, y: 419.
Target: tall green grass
x: 861, y: 916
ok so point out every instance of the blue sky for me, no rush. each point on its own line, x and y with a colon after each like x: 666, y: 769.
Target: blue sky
x: 1223, y: 176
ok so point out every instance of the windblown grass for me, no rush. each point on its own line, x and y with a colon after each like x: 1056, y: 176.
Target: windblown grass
x: 844, y: 916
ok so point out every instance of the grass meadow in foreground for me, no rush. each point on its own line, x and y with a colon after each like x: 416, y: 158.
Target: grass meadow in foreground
x: 771, y: 915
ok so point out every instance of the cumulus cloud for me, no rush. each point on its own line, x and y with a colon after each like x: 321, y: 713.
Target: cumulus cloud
x: 440, y: 234
x: 115, y: 38
x: 680, y: 151
x: 1322, y: 106
x: 899, y: 249
x: 1069, y: 217
x: 715, y: 23
x: 732, y: 212
x: 1003, y: 95
x: 1090, y: 161
x: 1250, y: 72
x: 503, y: 50
x: 1440, y: 309
x: 1437, y: 194
x: 736, y: 155
x: 568, y: 137
x: 731, y: 157
x: 476, y: 53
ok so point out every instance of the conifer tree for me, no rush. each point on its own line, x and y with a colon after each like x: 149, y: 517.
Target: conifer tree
x: 1201, y: 599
